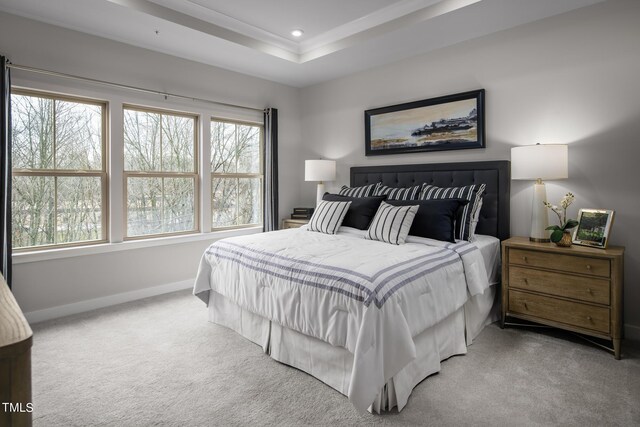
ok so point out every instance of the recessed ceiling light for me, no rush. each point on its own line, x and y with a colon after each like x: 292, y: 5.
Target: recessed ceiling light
x: 297, y: 32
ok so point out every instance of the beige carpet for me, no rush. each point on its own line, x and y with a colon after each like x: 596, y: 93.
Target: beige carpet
x: 159, y: 362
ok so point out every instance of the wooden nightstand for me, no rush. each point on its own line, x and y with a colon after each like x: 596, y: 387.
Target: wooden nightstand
x: 578, y: 288
x: 294, y: 223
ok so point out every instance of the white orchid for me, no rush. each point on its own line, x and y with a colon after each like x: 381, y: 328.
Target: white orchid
x: 562, y: 216
x: 567, y: 200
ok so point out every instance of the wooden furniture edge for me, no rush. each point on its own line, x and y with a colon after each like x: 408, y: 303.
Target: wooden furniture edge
x: 16, y: 338
x: 524, y: 243
x: 14, y: 328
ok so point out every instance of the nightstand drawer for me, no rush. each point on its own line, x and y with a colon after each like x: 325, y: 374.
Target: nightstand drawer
x: 570, y: 313
x: 293, y: 223
x: 565, y: 263
x: 588, y: 289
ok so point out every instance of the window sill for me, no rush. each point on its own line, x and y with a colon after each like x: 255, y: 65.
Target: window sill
x: 58, y: 253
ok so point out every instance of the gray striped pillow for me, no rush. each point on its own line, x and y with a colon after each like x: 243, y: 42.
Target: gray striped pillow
x: 473, y: 193
x: 394, y: 193
x: 364, y: 191
x: 328, y: 216
x: 392, y: 223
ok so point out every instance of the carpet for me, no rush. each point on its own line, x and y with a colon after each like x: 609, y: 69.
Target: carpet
x: 159, y: 362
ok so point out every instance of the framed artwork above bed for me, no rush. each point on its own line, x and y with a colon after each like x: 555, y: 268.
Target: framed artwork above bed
x: 452, y: 122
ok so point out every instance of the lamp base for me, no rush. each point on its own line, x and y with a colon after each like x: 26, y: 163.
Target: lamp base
x: 319, y: 193
x: 539, y: 214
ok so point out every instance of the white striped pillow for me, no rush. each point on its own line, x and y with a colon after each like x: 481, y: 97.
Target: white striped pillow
x: 473, y: 193
x: 395, y: 193
x: 364, y: 191
x: 392, y: 223
x: 328, y: 216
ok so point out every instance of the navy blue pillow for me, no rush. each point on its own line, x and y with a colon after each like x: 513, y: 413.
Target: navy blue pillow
x: 435, y: 218
x: 361, y: 211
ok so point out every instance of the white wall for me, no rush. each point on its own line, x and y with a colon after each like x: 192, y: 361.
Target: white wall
x: 45, y: 285
x: 573, y: 78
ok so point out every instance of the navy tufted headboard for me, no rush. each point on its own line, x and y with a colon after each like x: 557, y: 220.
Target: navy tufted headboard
x: 494, y: 216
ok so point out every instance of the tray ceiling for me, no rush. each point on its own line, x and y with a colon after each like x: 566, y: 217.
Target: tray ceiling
x: 253, y: 36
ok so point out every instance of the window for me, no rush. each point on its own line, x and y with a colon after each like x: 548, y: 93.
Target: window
x: 59, y: 170
x: 161, y: 174
x: 236, y: 174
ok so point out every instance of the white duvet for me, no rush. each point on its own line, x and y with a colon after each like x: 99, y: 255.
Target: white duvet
x: 366, y: 296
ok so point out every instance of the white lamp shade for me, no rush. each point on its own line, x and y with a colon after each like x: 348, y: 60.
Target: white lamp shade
x: 319, y: 170
x: 544, y: 162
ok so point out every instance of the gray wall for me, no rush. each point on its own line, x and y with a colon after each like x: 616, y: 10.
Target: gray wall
x: 571, y: 79
x: 45, y: 284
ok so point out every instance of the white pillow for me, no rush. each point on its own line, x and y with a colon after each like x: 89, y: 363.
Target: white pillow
x: 328, y: 216
x: 392, y: 223
x: 364, y: 191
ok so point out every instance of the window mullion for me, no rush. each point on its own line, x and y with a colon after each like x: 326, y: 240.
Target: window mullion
x: 55, y: 210
x: 162, y: 204
x: 55, y: 136
x: 160, y: 141
x: 237, y: 222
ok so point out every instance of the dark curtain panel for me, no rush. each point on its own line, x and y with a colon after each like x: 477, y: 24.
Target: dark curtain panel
x: 270, y: 214
x: 5, y: 171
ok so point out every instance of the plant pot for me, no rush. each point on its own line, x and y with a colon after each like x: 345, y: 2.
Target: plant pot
x: 565, y: 242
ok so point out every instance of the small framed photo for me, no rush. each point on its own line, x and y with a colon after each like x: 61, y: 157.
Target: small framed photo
x: 593, y: 227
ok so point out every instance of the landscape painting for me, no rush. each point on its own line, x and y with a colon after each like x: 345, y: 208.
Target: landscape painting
x: 450, y: 122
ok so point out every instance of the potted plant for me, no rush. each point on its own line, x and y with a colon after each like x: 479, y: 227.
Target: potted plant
x: 560, y: 234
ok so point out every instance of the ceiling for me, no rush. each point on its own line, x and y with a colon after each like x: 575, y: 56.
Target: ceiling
x: 253, y: 36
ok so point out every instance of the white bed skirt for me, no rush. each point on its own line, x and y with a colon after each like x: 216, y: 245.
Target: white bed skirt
x: 332, y: 365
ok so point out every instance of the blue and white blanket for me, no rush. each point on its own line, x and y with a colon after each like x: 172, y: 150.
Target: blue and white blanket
x: 369, y: 297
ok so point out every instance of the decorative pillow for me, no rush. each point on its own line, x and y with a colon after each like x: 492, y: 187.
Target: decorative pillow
x: 364, y: 191
x: 474, y: 222
x: 328, y: 216
x: 361, y: 211
x: 472, y: 192
x: 391, y: 223
x: 394, y: 193
x: 435, y: 219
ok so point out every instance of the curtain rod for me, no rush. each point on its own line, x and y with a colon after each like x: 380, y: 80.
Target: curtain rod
x: 122, y: 86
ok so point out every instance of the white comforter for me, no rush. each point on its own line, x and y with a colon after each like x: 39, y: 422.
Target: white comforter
x: 366, y: 296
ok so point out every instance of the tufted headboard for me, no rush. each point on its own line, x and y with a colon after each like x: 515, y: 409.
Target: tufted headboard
x: 494, y: 216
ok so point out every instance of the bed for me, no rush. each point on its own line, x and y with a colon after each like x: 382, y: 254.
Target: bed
x: 369, y: 319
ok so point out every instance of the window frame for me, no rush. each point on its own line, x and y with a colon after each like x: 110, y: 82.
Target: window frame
x: 158, y: 174
x: 259, y: 175
x: 55, y: 173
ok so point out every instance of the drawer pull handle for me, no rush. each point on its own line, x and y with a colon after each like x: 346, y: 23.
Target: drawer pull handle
x: 588, y: 267
x: 524, y: 258
x: 525, y: 305
x: 525, y: 281
x: 590, y: 291
x: 589, y: 318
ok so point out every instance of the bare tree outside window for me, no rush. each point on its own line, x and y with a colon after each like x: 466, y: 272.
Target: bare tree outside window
x: 160, y: 172
x: 236, y: 178
x: 59, y: 170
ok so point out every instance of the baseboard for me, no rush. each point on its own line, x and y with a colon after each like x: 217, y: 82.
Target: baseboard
x: 92, y: 304
x: 632, y: 332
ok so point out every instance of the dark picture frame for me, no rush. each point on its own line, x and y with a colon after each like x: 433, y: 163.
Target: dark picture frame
x: 594, y: 227
x: 451, y: 122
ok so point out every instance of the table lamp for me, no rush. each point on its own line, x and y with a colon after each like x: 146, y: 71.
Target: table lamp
x: 539, y: 162
x: 319, y: 170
